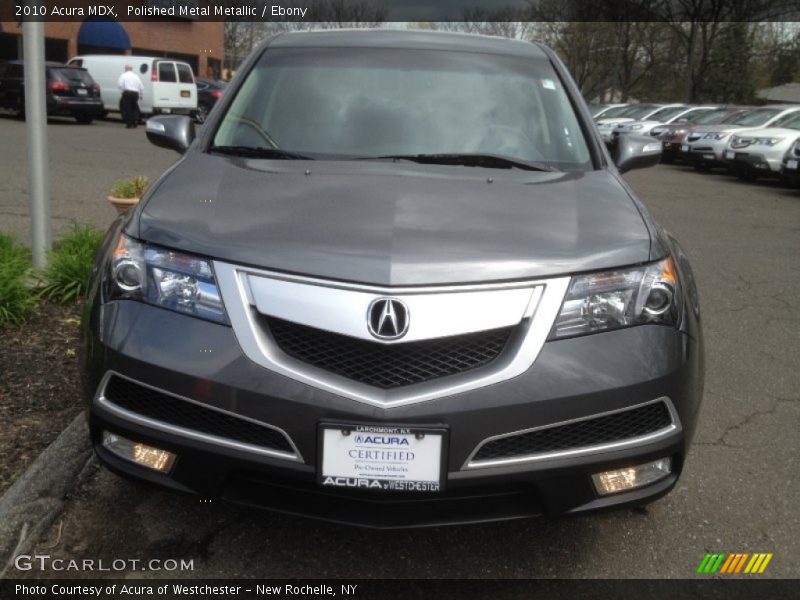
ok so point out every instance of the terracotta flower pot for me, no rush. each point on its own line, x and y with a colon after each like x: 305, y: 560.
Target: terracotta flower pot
x: 122, y: 204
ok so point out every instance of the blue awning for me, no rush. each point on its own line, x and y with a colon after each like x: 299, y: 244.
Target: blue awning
x: 105, y: 33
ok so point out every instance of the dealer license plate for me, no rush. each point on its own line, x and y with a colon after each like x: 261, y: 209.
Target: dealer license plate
x: 684, y: 147
x: 791, y: 164
x: 82, y: 92
x: 382, y: 458
x: 729, y: 155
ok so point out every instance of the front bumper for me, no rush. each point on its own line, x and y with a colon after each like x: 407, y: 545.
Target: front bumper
x: 790, y: 172
x: 703, y: 153
x: 753, y: 162
x: 571, y: 379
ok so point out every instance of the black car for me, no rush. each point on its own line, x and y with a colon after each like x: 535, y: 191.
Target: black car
x: 208, y: 92
x: 396, y: 281
x: 71, y: 91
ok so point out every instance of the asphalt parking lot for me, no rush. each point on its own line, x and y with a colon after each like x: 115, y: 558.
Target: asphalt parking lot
x: 738, y: 492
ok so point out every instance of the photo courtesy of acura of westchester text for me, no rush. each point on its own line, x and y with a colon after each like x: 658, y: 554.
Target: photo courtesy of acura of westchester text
x: 343, y: 291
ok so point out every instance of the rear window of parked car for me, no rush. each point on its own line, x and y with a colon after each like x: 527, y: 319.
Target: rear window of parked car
x: 166, y: 72
x: 185, y: 73
x: 73, y: 75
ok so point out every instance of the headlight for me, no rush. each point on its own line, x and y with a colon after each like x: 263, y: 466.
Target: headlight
x: 656, y: 131
x: 768, y: 141
x: 636, y: 126
x: 622, y: 298
x: 165, y: 278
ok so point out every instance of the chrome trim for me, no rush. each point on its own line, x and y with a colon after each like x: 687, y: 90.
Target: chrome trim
x: 542, y: 301
x: 583, y: 450
x: 109, y: 405
x: 433, y: 313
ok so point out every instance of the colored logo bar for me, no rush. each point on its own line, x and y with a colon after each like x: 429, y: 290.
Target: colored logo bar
x: 735, y: 562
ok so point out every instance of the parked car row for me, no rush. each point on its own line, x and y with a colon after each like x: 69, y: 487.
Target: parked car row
x: 86, y: 87
x: 749, y: 142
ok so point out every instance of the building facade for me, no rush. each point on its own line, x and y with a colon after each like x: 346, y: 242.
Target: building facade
x: 199, y: 43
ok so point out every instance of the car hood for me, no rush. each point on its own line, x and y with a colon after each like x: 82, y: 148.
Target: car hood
x: 393, y: 223
x: 613, y: 121
x: 720, y: 127
x: 644, y: 124
x: 769, y: 132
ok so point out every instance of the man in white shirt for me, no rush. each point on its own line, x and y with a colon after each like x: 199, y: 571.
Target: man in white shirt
x: 131, y: 87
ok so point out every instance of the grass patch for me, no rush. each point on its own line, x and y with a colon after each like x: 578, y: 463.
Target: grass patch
x: 16, y: 297
x: 66, y: 277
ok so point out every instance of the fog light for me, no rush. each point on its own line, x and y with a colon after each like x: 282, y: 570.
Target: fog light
x: 141, y: 454
x: 620, y: 480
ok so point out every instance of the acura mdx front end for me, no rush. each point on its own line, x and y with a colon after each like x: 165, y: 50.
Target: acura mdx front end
x: 396, y: 281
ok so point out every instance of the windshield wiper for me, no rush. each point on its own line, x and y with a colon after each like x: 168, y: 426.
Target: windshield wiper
x: 259, y: 152
x: 489, y: 161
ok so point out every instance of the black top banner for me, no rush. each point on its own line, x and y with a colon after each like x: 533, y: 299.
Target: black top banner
x: 377, y: 11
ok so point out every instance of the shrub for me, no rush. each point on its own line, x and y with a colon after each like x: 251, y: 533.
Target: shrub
x: 66, y: 277
x: 130, y: 188
x: 16, y: 296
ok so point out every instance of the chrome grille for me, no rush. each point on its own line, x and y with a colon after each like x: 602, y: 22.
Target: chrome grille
x: 387, y: 366
x: 165, y: 408
x: 605, y: 429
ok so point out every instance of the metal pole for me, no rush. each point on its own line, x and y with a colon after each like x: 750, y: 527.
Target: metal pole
x: 36, y: 125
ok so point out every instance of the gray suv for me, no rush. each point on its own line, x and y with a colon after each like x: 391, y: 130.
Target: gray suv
x: 396, y: 281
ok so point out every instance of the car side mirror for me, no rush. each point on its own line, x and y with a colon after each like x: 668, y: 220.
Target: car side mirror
x: 636, y: 152
x: 175, y: 132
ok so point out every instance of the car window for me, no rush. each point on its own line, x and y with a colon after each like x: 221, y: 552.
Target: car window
x: 185, y: 73
x: 166, y: 72
x: 345, y: 102
x: 73, y: 75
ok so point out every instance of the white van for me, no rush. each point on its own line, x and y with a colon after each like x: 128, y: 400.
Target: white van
x: 169, y: 85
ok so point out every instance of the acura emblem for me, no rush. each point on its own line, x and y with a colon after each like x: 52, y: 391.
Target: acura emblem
x: 387, y: 318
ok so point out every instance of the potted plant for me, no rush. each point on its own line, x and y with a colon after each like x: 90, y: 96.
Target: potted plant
x: 126, y: 193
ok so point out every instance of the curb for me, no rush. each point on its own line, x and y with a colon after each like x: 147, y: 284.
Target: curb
x: 30, y: 506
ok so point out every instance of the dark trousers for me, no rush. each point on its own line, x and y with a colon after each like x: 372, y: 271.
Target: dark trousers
x: 130, y: 108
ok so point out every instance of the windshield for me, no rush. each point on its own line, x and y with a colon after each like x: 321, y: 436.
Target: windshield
x: 617, y: 111
x: 345, y: 103
x: 791, y: 121
x: 665, y: 114
x: 711, y: 117
x: 756, y: 117
x: 786, y: 120
x: 638, y: 111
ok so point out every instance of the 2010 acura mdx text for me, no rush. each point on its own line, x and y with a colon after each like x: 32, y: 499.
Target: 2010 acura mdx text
x: 397, y: 280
